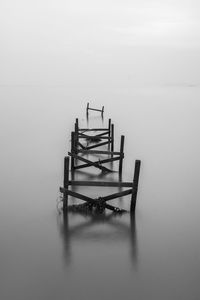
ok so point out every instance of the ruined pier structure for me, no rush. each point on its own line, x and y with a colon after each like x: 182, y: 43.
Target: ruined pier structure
x: 89, y: 141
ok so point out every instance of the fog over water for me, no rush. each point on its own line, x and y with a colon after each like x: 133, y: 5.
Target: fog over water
x: 141, y: 61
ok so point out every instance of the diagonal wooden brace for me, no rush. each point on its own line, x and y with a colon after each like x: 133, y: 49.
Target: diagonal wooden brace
x: 87, y: 199
x: 89, y: 163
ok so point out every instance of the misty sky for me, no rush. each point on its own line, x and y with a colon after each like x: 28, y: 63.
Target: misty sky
x: 99, y: 43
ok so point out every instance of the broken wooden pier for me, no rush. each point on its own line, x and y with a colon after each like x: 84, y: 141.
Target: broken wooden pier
x: 89, y: 141
x: 101, y: 201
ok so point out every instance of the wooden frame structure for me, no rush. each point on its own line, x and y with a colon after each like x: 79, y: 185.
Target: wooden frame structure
x: 106, y: 134
x: 114, y: 156
x: 94, y: 109
x: 100, y: 202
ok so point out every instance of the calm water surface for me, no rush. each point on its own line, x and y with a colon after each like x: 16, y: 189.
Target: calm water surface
x: 45, y: 255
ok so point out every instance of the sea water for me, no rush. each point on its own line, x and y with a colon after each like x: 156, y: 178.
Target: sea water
x: 47, y: 255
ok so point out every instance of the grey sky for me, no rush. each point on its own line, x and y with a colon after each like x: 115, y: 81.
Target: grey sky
x: 65, y: 42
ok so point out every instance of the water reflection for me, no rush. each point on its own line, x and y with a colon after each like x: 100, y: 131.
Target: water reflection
x: 116, y: 228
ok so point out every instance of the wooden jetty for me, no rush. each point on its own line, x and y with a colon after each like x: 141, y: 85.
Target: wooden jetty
x: 79, y: 149
x: 106, y: 134
x: 76, y: 150
x: 101, y: 201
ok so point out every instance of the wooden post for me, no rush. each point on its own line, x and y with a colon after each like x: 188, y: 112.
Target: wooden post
x: 72, y: 149
x: 112, y: 138
x: 102, y: 110
x: 66, y: 182
x: 109, y: 132
x: 109, y: 127
x: 76, y: 139
x: 87, y: 108
x: 135, y: 185
x: 121, y: 154
x: 76, y: 124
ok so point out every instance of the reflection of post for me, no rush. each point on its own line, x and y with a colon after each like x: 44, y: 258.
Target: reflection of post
x: 133, y: 239
x: 66, y: 237
x: 66, y: 182
x: 73, y: 187
x: 124, y: 231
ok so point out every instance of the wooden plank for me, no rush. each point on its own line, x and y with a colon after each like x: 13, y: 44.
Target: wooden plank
x: 89, y: 163
x: 86, y: 199
x: 97, y: 145
x: 85, y: 136
x: 103, y: 161
x: 77, y: 195
x: 100, y: 183
x: 95, y: 109
x: 93, y: 129
x: 98, y: 152
x: 102, y: 134
x: 79, y: 144
x: 135, y: 185
x: 95, y: 163
x: 117, y: 195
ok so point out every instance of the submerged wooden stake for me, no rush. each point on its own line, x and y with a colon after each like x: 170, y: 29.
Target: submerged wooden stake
x: 72, y: 149
x: 135, y: 185
x: 112, y: 137
x: 121, y: 154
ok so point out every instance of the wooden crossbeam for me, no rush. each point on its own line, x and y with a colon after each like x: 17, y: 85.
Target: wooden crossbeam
x: 83, y: 147
x: 84, y: 151
x: 101, y: 201
x: 103, y: 131
x: 77, y: 195
x: 97, y: 164
x: 89, y: 163
x: 97, y: 145
x: 92, y: 129
x: 117, y: 195
x: 100, y: 183
x: 85, y: 136
x: 89, y: 150
x: 87, y: 199
x: 94, y: 109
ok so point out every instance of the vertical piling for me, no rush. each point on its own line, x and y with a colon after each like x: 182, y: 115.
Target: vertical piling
x: 87, y: 108
x: 109, y: 132
x: 72, y: 149
x: 135, y: 185
x: 121, y: 154
x: 66, y: 182
x: 112, y: 138
x: 76, y: 136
